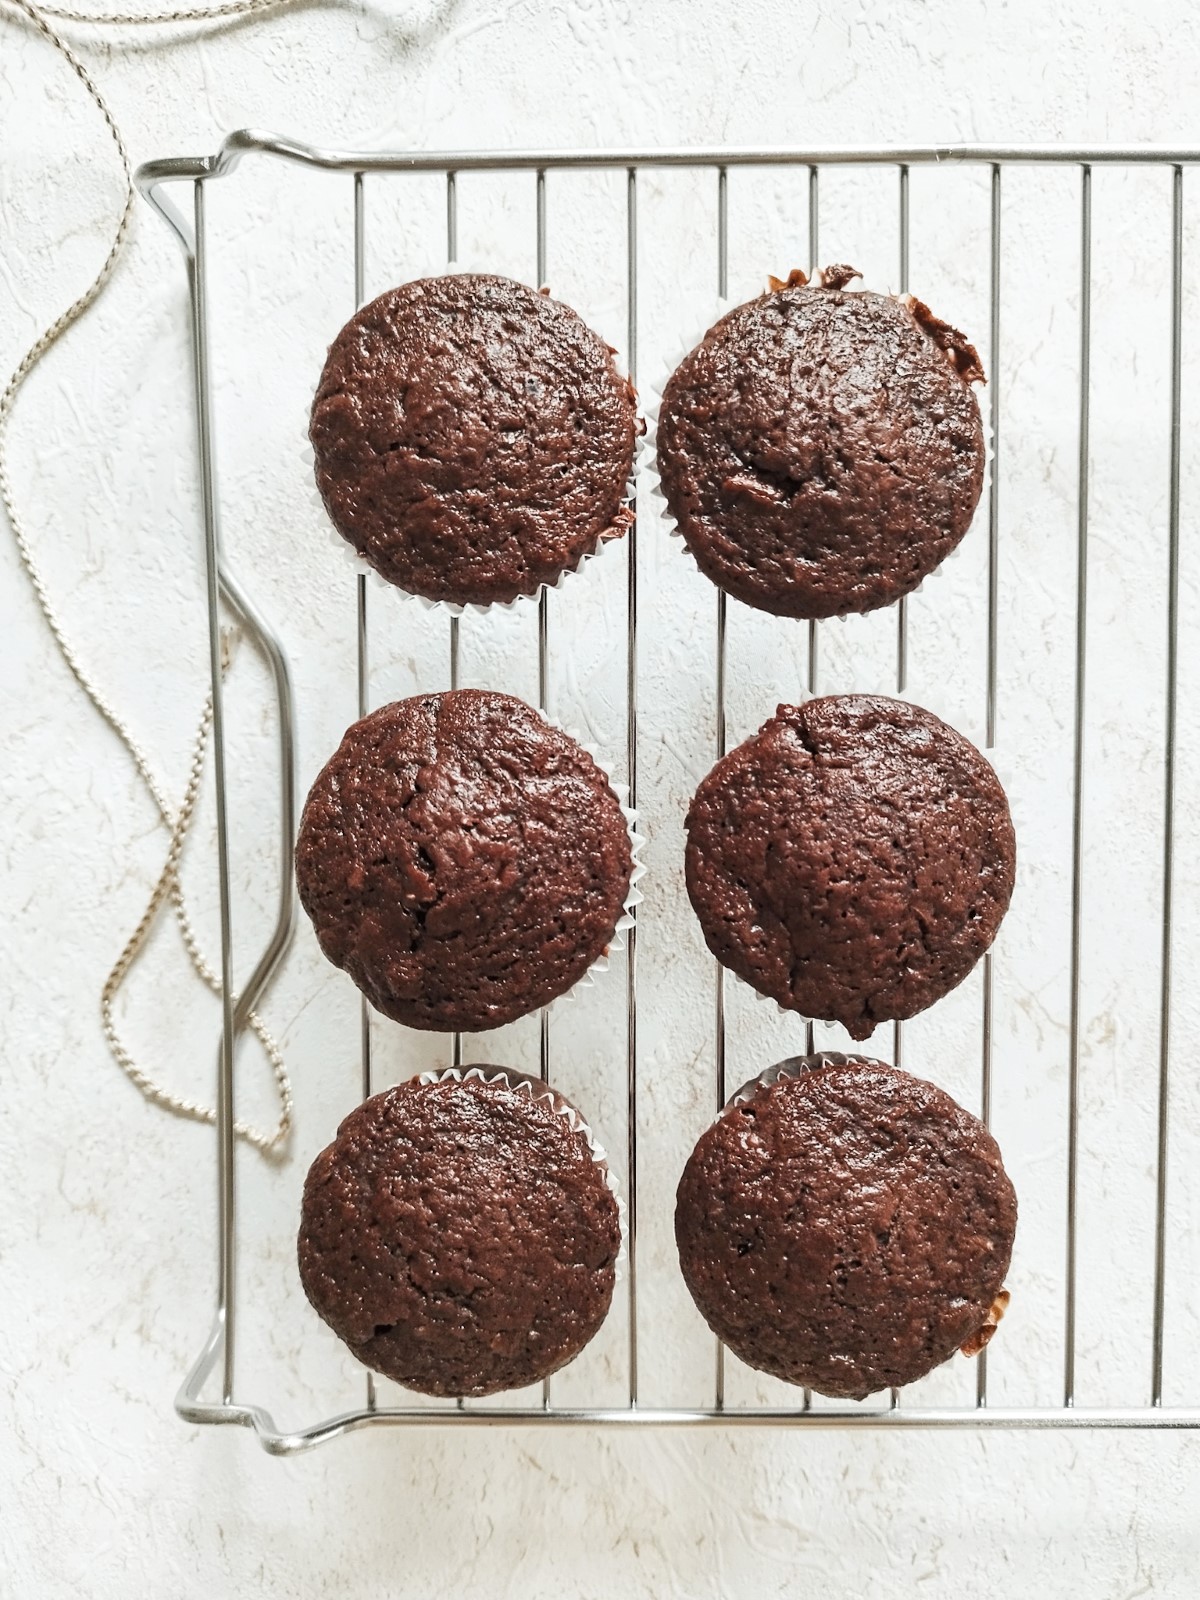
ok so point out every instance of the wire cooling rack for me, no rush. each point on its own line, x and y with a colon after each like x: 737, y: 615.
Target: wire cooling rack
x: 210, y: 1393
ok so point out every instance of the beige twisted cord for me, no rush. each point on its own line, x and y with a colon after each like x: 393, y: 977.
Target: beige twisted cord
x: 238, y: 8
x: 167, y: 886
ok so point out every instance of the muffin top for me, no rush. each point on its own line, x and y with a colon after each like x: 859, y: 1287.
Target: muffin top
x: 462, y: 859
x: 821, y: 450
x: 852, y: 860
x: 460, y: 1236
x: 473, y: 438
x: 845, y: 1226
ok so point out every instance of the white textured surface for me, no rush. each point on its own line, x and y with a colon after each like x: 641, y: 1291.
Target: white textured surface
x: 107, y: 1226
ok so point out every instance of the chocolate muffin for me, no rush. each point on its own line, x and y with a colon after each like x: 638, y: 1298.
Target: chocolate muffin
x: 845, y: 1226
x: 461, y: 1236
x: 473, y: 438
x: 821, y: 451
x: 852, y: 860
x: 462, y: 859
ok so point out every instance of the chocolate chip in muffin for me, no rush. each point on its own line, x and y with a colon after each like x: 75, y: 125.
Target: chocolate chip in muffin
x: 845, y: 1226
x: 462, y: 859
x: 821, y: 450
x: 852, y: 860
x: 473, y: 438
x: 461, y: 1236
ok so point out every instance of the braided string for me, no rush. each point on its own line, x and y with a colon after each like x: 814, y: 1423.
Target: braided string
x: 238, y: 8
x: 167, y: 887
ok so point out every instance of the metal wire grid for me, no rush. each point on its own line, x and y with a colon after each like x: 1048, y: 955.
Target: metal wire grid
x: 217, y: 1355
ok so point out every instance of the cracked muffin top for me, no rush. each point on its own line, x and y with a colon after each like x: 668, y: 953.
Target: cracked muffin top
x: 460, y: 1236
x: 845, y: 1226
x: 473, y: 438
x: 462, y: 859
x: 821, y: 450
x: 852, y: 860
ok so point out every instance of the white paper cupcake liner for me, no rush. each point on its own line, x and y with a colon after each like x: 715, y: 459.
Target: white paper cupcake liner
x: 784, y: 1011
x: 363, y: 568
x: 536, y: 1089
x: 633, y: 895
x: 793, y: 1067
x: 682, y: 346
x: 1003, y: 769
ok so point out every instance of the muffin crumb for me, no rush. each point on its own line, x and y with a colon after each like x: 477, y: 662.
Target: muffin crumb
x: 473, y: 438
x: 845, y: 1226
x: 853, y: 859
x: 818, y: 453
x: 462, y: 859
x: 460, y: 1236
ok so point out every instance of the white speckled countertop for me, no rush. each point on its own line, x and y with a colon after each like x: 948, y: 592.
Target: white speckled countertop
x: 107, y: 1228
